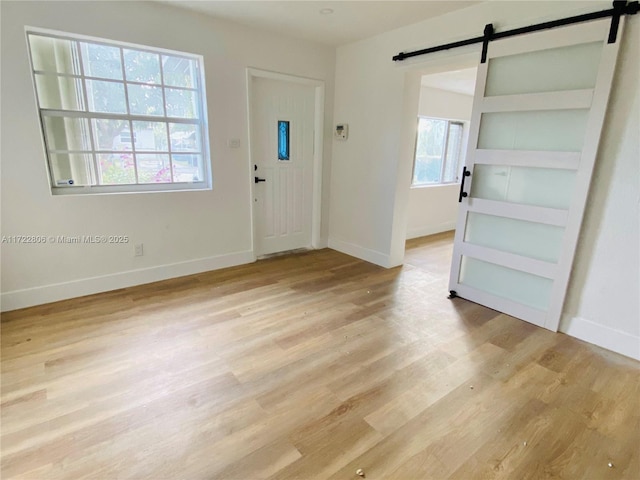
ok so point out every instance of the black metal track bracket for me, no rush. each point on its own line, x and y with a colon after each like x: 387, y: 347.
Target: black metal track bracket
x: 452, y: 294
x: 618, y: 10
x: 488, y: 35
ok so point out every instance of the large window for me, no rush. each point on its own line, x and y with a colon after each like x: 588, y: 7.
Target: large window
x: 119, y: 117
x: 438, y: 150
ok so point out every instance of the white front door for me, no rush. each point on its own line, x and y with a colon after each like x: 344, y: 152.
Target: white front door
x: 282, y: 143
x: 537, y: 115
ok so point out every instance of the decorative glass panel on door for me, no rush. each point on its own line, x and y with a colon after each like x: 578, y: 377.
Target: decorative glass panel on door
x: 542, y: 187
x: 521, y: 237
x: 283, y: 140
x: 555, y: 69
x: 531, y: 290
x: 556, y: 131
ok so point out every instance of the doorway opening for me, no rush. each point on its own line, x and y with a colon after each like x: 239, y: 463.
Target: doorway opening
x: 536, y: 122
x: 442, y: 133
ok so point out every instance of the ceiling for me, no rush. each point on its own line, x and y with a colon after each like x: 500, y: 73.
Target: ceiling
x: 348, y: 22
x: 457, y: 81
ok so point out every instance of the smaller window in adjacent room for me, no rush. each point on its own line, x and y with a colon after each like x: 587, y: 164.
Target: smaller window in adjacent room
x: 119, y: 117
x: 438, y: 151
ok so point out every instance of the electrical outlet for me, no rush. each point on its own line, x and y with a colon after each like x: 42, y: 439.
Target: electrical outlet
x: 139, y: 250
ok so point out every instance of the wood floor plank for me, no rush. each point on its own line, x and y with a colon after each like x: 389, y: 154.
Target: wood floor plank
x: 308, y: 366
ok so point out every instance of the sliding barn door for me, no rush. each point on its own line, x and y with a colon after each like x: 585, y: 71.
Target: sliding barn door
x: 538, y: 112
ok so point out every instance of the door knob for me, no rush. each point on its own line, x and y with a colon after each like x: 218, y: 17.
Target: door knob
x: 258, y: 179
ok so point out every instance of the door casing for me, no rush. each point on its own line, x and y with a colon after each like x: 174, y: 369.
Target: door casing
x: 318, y: 140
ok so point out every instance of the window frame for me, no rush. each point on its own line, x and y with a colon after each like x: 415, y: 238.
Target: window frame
x: 201, y: 119
x: 450, y: 121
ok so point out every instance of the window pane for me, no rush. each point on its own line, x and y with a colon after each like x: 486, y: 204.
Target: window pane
x: 427, y: 170
x: 112, y: 135
x: 283, y: 140
x: 116, y: 168
x: 107, y: 97
x: 429, y: 150
x: 59, y: 93
x: 54, y: 54
x: 65, y: 133
x: 153, y: 168
x: 181, y: 103
x: 185, y: 137
x: 187, y: 168
x: 150, y: 136
x: 145, y: 100
x: 71, y: 169
x: 142, y: 66
x: 179, y: 72
x: 101, y: 61
x: 454, y: 147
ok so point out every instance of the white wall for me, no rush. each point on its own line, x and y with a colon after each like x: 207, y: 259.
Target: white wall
x: 182, y: 232
x: 603, y: 302
x: 434, y: 209
x: 371, y: 171
x: 443, y: 104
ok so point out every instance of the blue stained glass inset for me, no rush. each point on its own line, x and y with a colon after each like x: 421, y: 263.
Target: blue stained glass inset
x: 283, y: 140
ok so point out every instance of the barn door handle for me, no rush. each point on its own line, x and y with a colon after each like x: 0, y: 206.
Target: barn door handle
x: 463, y: 194
x: 258, y: 179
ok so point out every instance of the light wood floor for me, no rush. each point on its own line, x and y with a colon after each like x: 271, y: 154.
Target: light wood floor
x: 308, y: 366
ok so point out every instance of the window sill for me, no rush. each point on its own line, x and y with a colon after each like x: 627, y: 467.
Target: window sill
x: 98, y: 190
x: 436, y: 185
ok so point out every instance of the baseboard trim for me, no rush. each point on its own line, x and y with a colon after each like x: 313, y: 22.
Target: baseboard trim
x: 29, y: 297
x: 368, y: 255
x: 430, y: 230
x: 602, y: 336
